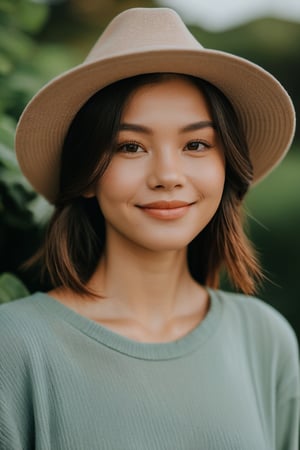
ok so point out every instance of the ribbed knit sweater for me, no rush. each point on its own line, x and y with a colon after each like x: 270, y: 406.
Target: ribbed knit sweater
x: 68, y: 383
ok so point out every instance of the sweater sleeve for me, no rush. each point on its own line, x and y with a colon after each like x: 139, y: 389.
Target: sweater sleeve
x: 10, y: 438
x: 288, y: 425
x: 15, y: 400
x: 288, y: 400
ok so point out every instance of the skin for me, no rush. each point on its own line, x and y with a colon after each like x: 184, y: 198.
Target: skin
x: 160, y: 190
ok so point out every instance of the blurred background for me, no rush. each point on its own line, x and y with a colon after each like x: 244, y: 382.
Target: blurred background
x: 40, y: 39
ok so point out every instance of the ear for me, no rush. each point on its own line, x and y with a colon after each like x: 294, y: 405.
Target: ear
x: 89, y: 193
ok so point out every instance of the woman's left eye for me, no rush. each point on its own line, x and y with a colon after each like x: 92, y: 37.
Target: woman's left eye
x: 196, y: 146
x: 130, y: 147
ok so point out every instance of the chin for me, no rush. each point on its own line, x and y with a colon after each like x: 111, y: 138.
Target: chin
x: 167, y: 244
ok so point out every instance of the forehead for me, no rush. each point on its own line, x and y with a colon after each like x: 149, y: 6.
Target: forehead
x: 177, y: 95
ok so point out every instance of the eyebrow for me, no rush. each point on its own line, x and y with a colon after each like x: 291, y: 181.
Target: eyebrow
x: 198, y: 126
x: 145, y: 130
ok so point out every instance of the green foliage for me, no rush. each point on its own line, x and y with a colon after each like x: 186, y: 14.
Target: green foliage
x: 25, y: 65
x: 11, y: 288
x: 15, y: 191
x: 17, y: 49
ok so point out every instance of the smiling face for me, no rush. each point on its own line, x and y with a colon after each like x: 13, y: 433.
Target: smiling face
x: 165, y: 182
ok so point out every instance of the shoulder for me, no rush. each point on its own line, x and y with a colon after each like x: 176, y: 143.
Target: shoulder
x: 259, y: 322
x: 18, y: 314
x: 266, y: 338
x: 22, y: 324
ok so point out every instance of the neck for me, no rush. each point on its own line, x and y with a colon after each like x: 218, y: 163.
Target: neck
x: 143, y: 284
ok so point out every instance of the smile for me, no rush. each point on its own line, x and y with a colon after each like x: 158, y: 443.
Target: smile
x: 166, y: 210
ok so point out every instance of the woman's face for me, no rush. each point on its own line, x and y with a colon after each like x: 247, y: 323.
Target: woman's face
x: 166, y: 180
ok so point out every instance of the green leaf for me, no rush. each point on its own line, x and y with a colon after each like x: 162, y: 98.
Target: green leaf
x: 40, y: 210
x: 11, y: 175
x: 51, y: 60
x: 7, y: 130
x: 32, y: 16
x: 7, y: 96
x: 11, y: 288
x: 6, y: 65
x: 25, y: 80
x: 8, y: 158
x: 7, y: 7
x: 15, y: 43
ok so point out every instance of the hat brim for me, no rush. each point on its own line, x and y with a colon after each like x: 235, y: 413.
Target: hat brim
x: 263, y: 106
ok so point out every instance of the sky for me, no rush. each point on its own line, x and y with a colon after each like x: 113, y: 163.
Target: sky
x: 217, y: 15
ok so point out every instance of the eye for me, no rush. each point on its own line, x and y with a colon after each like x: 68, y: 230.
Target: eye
x: 130, y: 147
x: 196, y: 146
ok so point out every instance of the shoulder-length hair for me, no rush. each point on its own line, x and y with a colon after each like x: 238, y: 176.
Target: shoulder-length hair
x: 75, y: 237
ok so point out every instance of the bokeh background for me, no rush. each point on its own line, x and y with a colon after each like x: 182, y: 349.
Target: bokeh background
x: 40, y: 39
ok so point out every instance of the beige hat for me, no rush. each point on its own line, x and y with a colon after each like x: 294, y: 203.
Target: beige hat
x: 147, y: 40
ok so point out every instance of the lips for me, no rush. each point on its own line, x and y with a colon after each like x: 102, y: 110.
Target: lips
x: 166, y: 209
x: 165, y: 204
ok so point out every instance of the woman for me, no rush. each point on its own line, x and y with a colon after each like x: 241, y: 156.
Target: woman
x: 147, y: 150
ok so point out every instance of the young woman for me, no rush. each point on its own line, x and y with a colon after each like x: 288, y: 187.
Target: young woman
x: 147, y: 150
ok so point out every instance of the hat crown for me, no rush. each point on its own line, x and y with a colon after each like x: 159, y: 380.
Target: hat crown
x: 143, y: 29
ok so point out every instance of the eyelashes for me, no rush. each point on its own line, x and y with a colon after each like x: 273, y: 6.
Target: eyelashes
x: 197, y: 145
x: 130, y: 147
x: 133, y: 147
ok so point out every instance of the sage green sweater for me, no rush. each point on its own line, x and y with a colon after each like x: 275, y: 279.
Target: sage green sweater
x: 67, y: 383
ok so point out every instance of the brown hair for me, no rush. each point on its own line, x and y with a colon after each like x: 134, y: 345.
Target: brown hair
x: 75, y: 237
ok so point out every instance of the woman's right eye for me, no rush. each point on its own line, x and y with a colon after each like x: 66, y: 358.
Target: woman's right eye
x: 130, y: 147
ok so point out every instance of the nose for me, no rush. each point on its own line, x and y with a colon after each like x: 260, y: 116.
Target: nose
x: 166, y: 171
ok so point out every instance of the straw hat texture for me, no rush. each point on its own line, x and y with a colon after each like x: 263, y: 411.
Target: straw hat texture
x: 148, y: 40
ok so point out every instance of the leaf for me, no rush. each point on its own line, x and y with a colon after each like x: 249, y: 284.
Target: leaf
x: 51, y: 60
x: 11, y: 288
x: 11, y: 178
x: 7, y: 6
x: 40, y: 210
x: 25, y: 80
x: 10, y: 173
x: 7, y: 96
x: 5, y: 64
x: 8, y: 158
x: 7, y: 130
x: 16, y: 44
x: 32, y: 16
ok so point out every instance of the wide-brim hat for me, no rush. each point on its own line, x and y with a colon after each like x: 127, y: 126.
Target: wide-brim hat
x: 149, y: 40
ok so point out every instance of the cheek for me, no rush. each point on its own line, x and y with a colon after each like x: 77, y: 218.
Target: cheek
x: 210, y: 177
x: 216, y: 178
x: 119, y: 182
